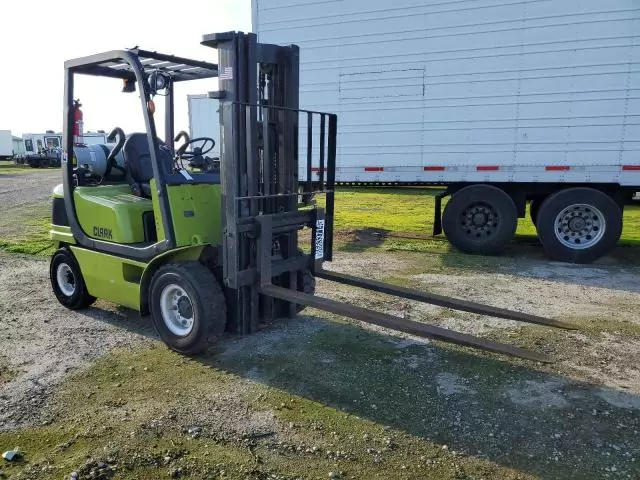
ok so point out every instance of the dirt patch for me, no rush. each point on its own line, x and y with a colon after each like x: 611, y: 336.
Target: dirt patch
x: 370, y: 265
x: 452, y: 384
x: 43, y: 341
x: 21, y: 189
x: 531, y: 393
x: 620, y: 399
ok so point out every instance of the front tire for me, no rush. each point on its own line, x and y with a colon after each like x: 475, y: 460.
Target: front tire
x: 67, y: 281
x: 579, y: 225
x: 188, y: 307
x: 480, y: 219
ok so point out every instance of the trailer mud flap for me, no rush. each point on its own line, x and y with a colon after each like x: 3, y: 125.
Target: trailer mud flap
x: 437, y: 212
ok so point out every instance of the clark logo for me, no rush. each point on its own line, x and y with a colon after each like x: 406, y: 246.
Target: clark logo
x: 102, y: 232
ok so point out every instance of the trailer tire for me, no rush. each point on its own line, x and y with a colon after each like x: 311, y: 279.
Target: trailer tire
x: 187, y: 307
x: 480, y: 219
x: 579, y: 225
x: 67, y: 281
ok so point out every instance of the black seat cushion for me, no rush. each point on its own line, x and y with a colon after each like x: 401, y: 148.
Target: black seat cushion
x: 137, y: 161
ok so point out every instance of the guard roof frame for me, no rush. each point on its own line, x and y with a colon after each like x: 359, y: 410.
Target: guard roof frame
x: 115, y: 64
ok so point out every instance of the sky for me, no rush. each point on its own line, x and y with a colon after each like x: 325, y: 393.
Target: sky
x: 39, y: 35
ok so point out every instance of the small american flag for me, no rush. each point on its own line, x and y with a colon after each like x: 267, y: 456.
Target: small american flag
x: 226, y: 73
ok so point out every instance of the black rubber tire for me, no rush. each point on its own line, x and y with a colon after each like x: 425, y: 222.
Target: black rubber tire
x: 555, y: 203
x: 466, y: 239
x: 206, y: 298
x: 80, y: 297
x: 306, y: 284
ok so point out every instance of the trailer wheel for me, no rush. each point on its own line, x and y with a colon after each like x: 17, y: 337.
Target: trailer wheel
x: 480, y: 219
x: 579, y: 225
x: 187, y: 306
x: 67, y: 281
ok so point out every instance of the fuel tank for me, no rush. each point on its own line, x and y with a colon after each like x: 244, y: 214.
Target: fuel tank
x: 94, y: 157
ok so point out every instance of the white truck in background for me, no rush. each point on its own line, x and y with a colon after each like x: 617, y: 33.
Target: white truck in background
x: 502, y: 103
x: 44, y: 149
x: 6, y: 144
x: 35, y: 143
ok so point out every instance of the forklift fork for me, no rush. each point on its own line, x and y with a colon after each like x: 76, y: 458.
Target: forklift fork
x: 380, y: 319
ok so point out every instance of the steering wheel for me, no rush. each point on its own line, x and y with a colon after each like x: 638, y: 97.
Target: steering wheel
x: 111, y: 158
x: 207, y: 145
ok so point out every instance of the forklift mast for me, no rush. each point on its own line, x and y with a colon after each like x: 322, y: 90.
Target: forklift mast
x: 259, y: 118
x: 262, y: 218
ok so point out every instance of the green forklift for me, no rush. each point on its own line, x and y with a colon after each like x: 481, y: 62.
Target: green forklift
x: 208, y: 245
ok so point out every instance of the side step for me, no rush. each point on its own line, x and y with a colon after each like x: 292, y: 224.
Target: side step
x: 401, y: 324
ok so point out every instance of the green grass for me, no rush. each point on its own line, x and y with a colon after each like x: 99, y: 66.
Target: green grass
x: 10, y: 167
x: 404, y: 219
x: 6, y: 371
x: 387, y: 219
x: 25, y: 229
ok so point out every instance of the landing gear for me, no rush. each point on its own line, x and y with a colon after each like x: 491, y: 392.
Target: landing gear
x: 480, y: 219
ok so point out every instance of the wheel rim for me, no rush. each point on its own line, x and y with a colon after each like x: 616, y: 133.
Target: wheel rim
x: 66, y: 280
x: 479, y: 220
x: 580, y: 226
x: 177, y: 310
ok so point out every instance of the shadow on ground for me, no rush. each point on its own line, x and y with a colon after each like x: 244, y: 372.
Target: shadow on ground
x: 510, y: 412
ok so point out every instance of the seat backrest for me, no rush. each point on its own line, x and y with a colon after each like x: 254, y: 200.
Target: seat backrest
x: 137, y: 158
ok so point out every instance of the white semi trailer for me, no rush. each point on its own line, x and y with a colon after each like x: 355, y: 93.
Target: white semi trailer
x: 501, y: 102
x: 6, y: 144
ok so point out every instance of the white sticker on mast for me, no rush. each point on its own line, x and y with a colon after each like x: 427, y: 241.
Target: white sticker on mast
x: 226, y: 73
x: 319, y: 239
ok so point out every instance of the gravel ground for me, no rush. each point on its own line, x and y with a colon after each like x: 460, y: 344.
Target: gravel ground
x: 27, y: 188
x: 42, y: 341
x: 35, y: 323
x: 581, y: 413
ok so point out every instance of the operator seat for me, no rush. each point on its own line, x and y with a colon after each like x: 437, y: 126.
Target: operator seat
x: 137, y: 162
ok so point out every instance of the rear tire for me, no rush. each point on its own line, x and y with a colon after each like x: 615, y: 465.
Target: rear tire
x: 67, y: 281
x: 188, y: 307
x: 480, y: 219
x: 579, y: 225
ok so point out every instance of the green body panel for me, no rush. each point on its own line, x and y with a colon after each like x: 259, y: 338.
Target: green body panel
x: 156, y: 208
x: 196, y: 214
x: 110, y: 277
x: 61, y: 234
x: 111, y: 212
x: 121, y: 280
